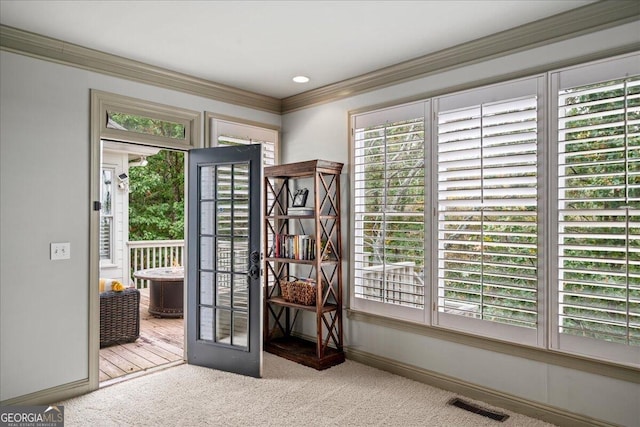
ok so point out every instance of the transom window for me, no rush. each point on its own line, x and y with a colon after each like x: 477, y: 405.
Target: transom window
x: 145, y: 125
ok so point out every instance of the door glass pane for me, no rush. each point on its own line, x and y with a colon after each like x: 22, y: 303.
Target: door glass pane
x: 241, y: 182
x: 206, y: 323
x: 206, y: 253
x: 207, y: 183
x: 240, y: 327
x: 241, y: 219
x: 223, y: 290
x: 223, y: 251
x: 224, y: 177
x: 240, y: 255
x: 206, y: 288
x: 224, y: 218
x: 240, y: 291
x: 223, y: 326
x: 207, y: 212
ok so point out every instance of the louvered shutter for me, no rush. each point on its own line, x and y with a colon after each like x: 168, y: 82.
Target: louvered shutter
x: 598, y: 293
x: 268, y: 147
x: 487, y: 191
x: 106, y: 233
x: 389, y: 199
x: 106, y: 214
x: 240, y: 216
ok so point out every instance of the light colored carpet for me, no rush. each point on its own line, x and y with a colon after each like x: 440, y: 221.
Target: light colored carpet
x: 289, y: 394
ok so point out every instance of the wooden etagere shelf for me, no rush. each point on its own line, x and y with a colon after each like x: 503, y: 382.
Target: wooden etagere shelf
x: 321, y: 263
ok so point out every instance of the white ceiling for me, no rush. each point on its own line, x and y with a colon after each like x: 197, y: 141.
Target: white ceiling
x: 260, y: 45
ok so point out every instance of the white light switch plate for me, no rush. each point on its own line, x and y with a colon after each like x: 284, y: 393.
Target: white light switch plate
x: 60, y: 251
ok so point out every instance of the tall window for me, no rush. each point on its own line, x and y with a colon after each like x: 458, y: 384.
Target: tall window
x: 389, y: 201
x: 598, y: 191
x: 223, y: 131
x: 106, y: 214
x: 533, y: 186
x: 487, y: 205
x: 268, y: 147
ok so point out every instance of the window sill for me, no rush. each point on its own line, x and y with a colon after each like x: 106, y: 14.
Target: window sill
x: 598, y: 367
x: 108, y: 265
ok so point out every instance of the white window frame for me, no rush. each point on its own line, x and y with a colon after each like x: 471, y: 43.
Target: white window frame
x: 379, y: 117
x: 584, y: 74
x: 217, y: 125
x: 546, y: 337
x: 104, y: 104
x: 532, y: 86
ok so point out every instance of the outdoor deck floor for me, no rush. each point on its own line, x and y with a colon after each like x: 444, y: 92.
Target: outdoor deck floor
x: 160, y: 343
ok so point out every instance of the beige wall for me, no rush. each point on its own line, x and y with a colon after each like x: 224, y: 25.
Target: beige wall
x: 44, y: 198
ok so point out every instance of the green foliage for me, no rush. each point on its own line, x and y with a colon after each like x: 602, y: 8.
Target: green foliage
x: 156, y: 198
x: 145, y: 125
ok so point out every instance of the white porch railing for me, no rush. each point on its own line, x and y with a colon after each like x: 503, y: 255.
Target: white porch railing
x: 145, y: 254
x: 395, y: 282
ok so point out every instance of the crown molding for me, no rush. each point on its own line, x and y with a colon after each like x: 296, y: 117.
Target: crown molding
x: 590, y: 18
x: 41, y: 47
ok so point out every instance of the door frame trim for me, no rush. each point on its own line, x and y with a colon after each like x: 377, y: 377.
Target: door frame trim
x: 99, y: 104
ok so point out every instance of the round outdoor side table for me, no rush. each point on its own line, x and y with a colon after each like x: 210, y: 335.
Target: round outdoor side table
x: 166, y: 290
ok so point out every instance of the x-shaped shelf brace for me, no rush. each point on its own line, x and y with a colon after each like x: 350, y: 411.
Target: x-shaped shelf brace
x: 332, y: 330
x: 276, y: 276
x: 328, y: 233
x: 329, y: 280
x: 277, y: 193
x: 330, y: 194
x: 278, y: 325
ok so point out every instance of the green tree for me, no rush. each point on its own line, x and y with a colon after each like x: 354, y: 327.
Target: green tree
x: 156, y: 198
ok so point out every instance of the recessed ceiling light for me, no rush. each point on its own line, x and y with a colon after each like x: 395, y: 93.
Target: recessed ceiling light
x: 301, y: 79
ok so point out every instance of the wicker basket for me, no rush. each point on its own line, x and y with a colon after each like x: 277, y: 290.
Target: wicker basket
x: 299, y: 291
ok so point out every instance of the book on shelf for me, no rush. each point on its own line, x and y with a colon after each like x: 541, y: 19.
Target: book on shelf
x: 294, y: 246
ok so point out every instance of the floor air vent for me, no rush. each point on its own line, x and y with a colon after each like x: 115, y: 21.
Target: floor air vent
x: 468, y: 406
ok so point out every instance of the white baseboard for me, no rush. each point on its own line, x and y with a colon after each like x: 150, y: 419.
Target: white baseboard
x: 496, y: 398
x: 50, y: 395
